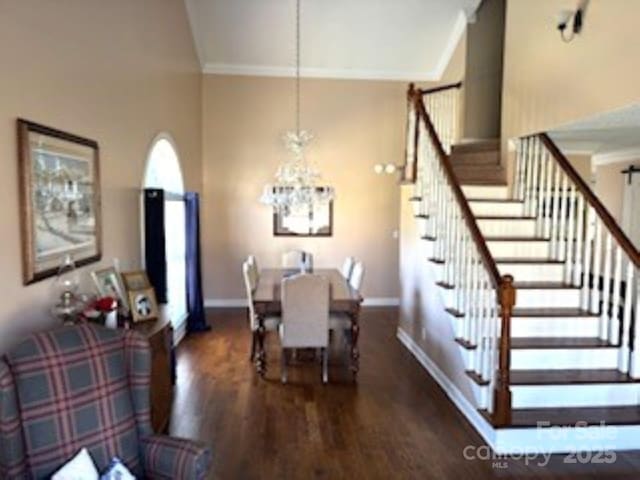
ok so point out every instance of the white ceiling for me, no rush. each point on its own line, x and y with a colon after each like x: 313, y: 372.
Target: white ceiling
x: 609, y: 136
x: 368, y: 39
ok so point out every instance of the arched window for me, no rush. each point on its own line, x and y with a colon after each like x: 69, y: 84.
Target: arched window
x: 163, y: 172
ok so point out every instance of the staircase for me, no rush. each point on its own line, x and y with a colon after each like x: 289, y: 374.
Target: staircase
x: 536, y: 278
x: 478, y: 163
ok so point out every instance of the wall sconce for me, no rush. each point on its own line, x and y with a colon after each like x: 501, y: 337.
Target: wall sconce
x: 575, y: 18
x: 388, y: 168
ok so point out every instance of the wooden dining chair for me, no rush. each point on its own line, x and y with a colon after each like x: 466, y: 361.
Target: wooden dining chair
x: 357, y: 276
x: 347, y: 267
x: 271, y: 322
x: 305, y: 317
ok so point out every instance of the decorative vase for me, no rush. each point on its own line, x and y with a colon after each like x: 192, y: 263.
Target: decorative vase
x: 111, y: 319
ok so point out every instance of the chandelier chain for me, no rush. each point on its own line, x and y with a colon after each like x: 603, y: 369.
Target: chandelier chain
x: 298, y: 67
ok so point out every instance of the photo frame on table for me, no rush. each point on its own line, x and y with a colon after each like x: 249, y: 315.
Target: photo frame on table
x: 109, y: 284
x: 136, y: 280
x: 59, y: 184
x: 144, y: 305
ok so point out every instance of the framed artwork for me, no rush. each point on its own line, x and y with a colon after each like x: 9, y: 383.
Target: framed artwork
x: 59, y: 176
x: 314, y: 220
x: 143, y: 305
x: 137, y: 280
x: 108, y: 284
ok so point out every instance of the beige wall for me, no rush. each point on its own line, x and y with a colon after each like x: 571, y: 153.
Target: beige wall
x: 356, y: 125
x: 483, y: 78
x: 609, y: 187
x: 116, y: 71
x: 548, y: 82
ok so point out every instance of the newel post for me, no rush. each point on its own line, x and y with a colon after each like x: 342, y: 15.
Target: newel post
x: 502, y: 394
x: 411, y: 92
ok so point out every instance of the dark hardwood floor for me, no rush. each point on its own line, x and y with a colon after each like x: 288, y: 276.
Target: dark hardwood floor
x: 394, y: 423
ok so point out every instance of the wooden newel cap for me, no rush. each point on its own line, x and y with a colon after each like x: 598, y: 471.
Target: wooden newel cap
x: 412, y: 90
x: 507, y: 291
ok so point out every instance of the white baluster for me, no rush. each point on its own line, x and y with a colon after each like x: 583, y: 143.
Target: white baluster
x: 555, y: 208
x: 529, y: 176
x: 542, y: 188
x: 577, y: 269
x: 623, y: 353
x: 605, y: 320
x: 562, y: 253
x: 535, y: 182
x: 518, y: 170
x: 568, y: 275
x: 615, y: 306
x: 597, y: 264
x: 634, y: 371
x: 588, y: 241
x: 548, y: 212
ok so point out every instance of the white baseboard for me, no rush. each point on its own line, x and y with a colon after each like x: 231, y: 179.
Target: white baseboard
x: 241, y: 302
x: 381, y: 302
x: 225, y: 302
x: 463, y: 404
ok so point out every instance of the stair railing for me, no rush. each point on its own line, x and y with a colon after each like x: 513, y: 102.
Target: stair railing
x: 598, y: 257
x: 482, y: 299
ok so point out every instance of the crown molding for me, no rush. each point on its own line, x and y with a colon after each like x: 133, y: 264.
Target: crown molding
x: 627, y: 155
x: 311, y: 72
x: 435, y: 75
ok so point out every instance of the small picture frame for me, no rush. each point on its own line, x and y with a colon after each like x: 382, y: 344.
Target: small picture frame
x: 136, y: 280
x: 109, y: 284
x: 143, y: 305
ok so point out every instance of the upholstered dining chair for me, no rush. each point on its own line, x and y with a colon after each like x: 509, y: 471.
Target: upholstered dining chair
x: 85, y: 386
x: 357, y: 276
x: 294, y: 259
x: 270, y: 322
x: 347, y: 267
x: 305, y: 317
x: 253, y: 262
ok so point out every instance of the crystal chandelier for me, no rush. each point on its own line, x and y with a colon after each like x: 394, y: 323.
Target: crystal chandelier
x: 296, y: 189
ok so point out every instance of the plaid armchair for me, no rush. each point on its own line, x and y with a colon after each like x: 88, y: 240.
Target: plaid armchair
x: 85, y: 386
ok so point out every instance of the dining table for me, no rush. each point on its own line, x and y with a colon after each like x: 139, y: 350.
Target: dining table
x: 343, y: 299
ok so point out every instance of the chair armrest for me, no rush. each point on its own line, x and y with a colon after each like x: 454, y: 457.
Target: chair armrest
x: 171, y: 458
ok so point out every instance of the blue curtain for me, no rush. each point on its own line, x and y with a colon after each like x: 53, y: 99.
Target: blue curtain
x: 155, y: 242
x: 197, y: 321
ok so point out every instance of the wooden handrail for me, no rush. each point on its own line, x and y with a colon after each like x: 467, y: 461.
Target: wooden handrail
x: 428, y: 91
x: 505, y: 290
x: 622, y: 239
x: 469, y: 218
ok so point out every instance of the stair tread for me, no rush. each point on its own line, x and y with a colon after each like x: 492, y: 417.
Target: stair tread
x: 552, y: 312
x: 483, y: 145
x: 501, y: 238
x: 495, y: 200
x: 559, y: 342
x: 568, y: 377
x: 542, y: 285
x: 454, y: 312
x: 468, y: 182
x: 499, y: 217
x: 527, y: 261
x: 570, y: 417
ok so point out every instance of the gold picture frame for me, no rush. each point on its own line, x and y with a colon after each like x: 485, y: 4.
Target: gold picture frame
x: 144, y: 305
x: 136, y: 280
x: 60, y: 212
